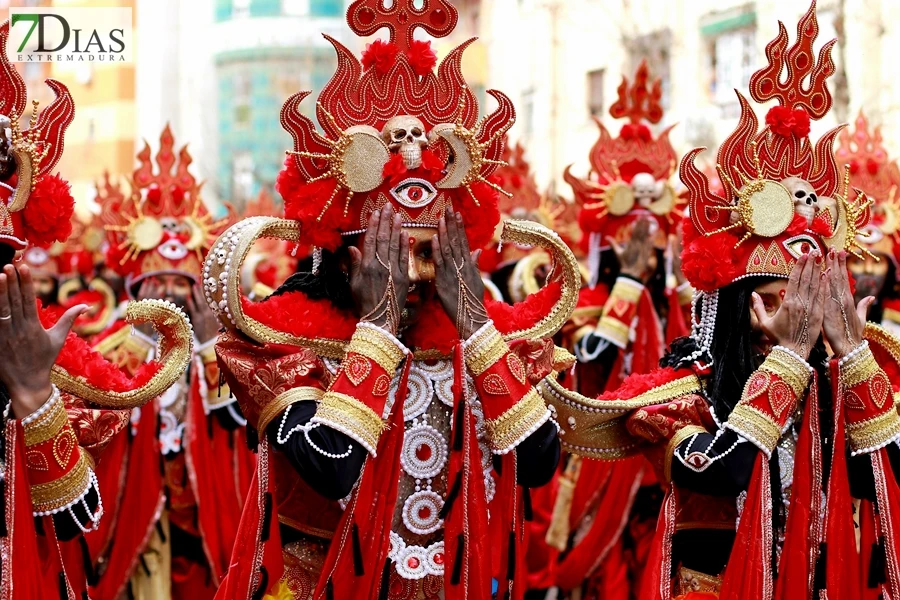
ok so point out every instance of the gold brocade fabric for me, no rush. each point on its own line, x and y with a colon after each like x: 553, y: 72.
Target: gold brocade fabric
x: 694, y: 581
x: 303, y: 561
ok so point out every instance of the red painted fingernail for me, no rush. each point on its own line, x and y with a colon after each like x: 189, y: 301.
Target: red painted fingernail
x: 818, y: 259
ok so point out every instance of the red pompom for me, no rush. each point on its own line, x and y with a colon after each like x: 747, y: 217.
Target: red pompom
x: 297, y: 314
x: 47, y: 217
x: 431, y: 161
x: 479, y: 216
x: 800, y: 126
x: 522, y: 315
x: 785, y: 121
x: 394, y: 168
x: 381, y: 55
x: 779, y: 119
x: 700, y: 252
x: 421, y: 57
x: 304, y: 202
x: 639, y: 383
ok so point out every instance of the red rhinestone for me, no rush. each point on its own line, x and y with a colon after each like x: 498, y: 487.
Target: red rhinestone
x: 438, y: 17
x: 423, y: 452
x: 403, y: 17
x: 413, y: 562
x: 439, y: 558
x: 366, y: 15
x: 424, y: 513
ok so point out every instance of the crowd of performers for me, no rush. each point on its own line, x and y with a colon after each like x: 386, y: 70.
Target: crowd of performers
x: 679, y: 386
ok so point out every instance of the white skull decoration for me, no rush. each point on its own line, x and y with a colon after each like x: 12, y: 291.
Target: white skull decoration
x: 646, y: 189
x: 406, y: 134
x: 806, y: 202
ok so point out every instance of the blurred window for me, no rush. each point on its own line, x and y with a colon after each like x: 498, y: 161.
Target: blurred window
x: 240, y: 8
x: 595, y: 92
x: 295, y: 8
x: 242, y: 99
x: 242, y: 177
x: 326, y: 8
x: 733, y: 58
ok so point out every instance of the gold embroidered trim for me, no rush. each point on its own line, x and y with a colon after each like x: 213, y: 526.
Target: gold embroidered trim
x: 175, y: 344
x: 376, y: 346
x: 113, y: 341
x: 756, y: 426
x: 518, y: 422
x: 485, y: 351
x: 56, y: 494
x: 695, y: 581
x: 350, y: 416
x: 614, y: 330
x: 861, y: 367
x: 625, y: 289
x: 48, y: 425
x: 788, y: 368
x: 680, y: 435
x: 677, y: 388
x: 874, y: 433
x: 283, y: 400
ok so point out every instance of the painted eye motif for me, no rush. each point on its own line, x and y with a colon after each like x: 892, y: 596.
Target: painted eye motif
x: 800, y: 245
x: 414, y: 193
x: 173, y: 250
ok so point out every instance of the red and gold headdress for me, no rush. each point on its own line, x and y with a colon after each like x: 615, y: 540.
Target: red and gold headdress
x: 164, y: 227
x: 872, y: 172
x: 629, y: 173
x: 35, y: 206
x: 785, y: 195
x: 396, y: 130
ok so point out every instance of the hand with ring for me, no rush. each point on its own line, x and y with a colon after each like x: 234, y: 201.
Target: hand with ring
x: 379, y: 274
x: 457, y: 277
x: 28, y: 350
x: 797, y: 322
x: 844, y: 323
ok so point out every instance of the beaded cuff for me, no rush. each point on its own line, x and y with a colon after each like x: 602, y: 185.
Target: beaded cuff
x: 512, y: 427
x: 58, y: 471
x: 769, y: 398
x: 872, y: 421
x: 356, y: 400
x: 284, y: 400
x: 619, y: 312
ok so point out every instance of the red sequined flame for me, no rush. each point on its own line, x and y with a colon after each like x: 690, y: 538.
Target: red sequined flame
x: 401, y: 18
x: 783, y: 78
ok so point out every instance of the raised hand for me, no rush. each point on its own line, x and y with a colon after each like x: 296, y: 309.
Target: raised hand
x: 635, y: 256
x: 28, y: 350
x: 797, y: 322
x: 457, y: 278
x: 844, y: 322
x: 379, y: 274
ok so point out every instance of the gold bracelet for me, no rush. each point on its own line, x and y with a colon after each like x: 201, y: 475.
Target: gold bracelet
x: 518, y: 422
x: 377, y: 346
x: 351, y: 417
x: 285, y: 399
x: 488, y: 351
x: 47, y: 497
x: 788, y: 368
x: 756, y: 426
x: 861, y: 367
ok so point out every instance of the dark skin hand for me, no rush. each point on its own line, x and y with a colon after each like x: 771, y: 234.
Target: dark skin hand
x: 203, y: 320
x: 797, y: 322
x: 453, y: 261
x: 844, y: 323
x: 385, y: 243
x: 28, y: 350
x: 635, y: 256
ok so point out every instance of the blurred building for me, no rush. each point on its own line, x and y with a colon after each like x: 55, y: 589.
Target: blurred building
x: 561, y: 61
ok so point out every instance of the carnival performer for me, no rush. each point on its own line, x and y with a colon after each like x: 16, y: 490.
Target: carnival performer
x: 755, y: 419
x: 382, y: 379
x: 873, y: 172
x: 636, y: 301
x: 183, y: 467
x: 62, y: 402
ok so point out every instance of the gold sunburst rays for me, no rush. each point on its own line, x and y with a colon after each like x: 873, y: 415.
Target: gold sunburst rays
x: 853, y: 212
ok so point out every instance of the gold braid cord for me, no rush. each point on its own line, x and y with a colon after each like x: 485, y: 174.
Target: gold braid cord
x: 596, y: 428
x: 175, y: 347
x: 222, y: 272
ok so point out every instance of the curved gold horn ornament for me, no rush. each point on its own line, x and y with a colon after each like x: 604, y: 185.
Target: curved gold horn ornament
x: 174, y: 353
x: 563, y: 268
x: 222, y: 281
x: 24, y: 179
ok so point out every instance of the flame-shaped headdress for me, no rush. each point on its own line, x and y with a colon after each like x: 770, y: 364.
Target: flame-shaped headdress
x: 35, y: 206
x: 630, y: 173
x: 396, y: 130
x: 875, y: 174
x: 164, y: 227
x: 784, y: 195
